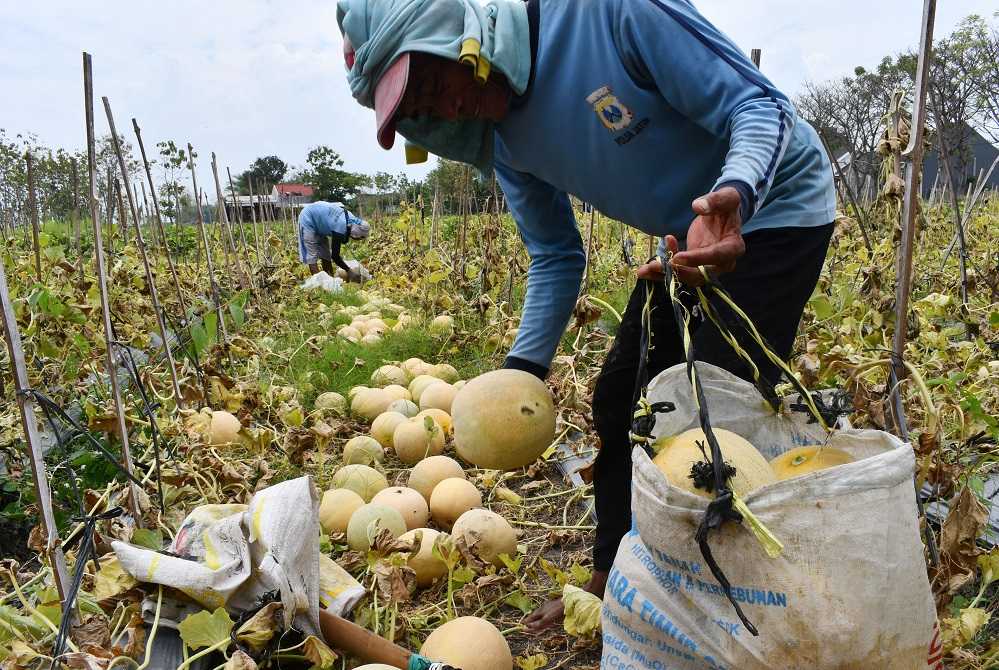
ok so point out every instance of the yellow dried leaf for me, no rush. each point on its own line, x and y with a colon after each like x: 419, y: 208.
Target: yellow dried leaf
x: 206, y: 629
x: 112, y: 580
x: 240, y: 661
x: 261, y: 627
x: 506, y: 495
x: 315, y: 650
x: 582, y: 611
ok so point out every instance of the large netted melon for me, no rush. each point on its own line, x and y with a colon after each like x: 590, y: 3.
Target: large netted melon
x: 486, y: 534
x: 802, y: 460
x: 469, y: 643
x: 369, y: 403
x: 367, y: 521
x: 363, y: 480
x: 438, y: 396
x: 389, y: 374
x: 430, y: 472
x: 452, y: 498
x: 416, y: 439
x: 331, y: 402
x: 363, y: 450
x: 385, y: 424
x: 677, y: 455
x: 408, y: 502
x: 428, y: 568
x: 336, y: 509
x: 503, y: 419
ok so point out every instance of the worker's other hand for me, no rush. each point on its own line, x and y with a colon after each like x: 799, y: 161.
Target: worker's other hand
x: 353, y: 276
x: 714, y: 239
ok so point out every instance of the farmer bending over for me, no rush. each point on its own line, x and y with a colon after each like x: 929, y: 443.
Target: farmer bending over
x: 322, y: 228
x: 648, y: 112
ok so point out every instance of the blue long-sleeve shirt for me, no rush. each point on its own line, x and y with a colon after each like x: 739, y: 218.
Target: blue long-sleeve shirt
x: 328, y: 219
x: 638, y: 107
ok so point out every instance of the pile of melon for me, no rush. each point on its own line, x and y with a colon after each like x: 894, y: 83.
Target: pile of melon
x: 367, y: 323
x: 677, y: 457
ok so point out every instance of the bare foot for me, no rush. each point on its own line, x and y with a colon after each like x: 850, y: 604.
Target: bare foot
x: 553, y: 612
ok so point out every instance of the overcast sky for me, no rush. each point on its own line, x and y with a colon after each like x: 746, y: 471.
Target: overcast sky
x: 246, y: 78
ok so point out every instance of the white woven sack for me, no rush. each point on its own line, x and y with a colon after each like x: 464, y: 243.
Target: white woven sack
x: 849, y: 591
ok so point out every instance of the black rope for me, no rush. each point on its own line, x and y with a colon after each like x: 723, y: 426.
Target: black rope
x: 85, y: 554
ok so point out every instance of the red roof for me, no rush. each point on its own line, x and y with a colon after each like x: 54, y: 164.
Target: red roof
x: 295, y: 189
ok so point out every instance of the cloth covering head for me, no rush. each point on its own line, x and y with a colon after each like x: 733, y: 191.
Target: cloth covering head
x: 487, y: 35
x: 359, y: 230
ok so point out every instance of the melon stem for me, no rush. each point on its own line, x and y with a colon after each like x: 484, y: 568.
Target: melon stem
x: 767, y: 540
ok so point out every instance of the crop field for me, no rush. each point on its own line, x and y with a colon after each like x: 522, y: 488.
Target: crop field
x: 192, y: 368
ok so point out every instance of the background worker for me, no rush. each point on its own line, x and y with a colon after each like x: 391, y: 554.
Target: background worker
x: 322, y: 228
x: 648, y: 112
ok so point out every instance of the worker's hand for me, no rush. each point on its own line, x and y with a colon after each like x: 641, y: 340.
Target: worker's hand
x: 714, y: 239
x: 353, y: 276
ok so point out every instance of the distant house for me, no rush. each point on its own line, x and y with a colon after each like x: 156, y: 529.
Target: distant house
x: 967, y: 163
x: 287, y: 195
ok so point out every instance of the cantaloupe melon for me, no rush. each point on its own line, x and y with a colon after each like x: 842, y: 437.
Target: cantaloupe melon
x: 363, y: 480
x: 415, y: 367
x: 363, y: 450
x: 385, y: 424
x: 369, y: 403
x: 452, y: 498
x: 224, y: 429
x: 430, y: 472
x: 405, y: 407
x: 350, y: 333
x: 376, y: 325
x: 486, y: 534
x: 331, y: 402
x: 336, y: 508
x: 352, y: 393
x: 445, y: 372
x: 677, y: 454
x: 469, y: 643
x: 420, y: 383
x: 371, y: 338
x: 442, y: 418
x: 408, y: 502
x: 368, y: 520
x: 802, y: 460
x: 397, y: 392
x: 442, y: 326
x: 428, y: 568
x: 460, y: 383
x: 503, y: 419
x: 416, y: 439
x: 388, y: 374
x: 438, y: 396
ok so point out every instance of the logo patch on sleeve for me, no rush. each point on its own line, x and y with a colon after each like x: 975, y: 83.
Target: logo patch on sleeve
x: 611, y: 111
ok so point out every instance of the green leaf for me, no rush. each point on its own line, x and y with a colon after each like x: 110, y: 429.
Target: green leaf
x: 520, y: 601
x: 821, y: 307
x: 534, y: 662
x: 206, y: 630
x: 989, y: 563
x: 994, y: 319
x: 582, y: 611
x: 148, y: 538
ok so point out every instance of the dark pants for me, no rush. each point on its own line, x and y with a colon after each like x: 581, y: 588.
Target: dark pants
x: 772, y: 283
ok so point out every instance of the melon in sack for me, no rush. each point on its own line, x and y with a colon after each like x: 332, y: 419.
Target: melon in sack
x: 849, y: 590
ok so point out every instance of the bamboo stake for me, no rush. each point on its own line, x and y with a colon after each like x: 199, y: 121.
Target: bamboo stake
x: 109, y: 212
x: 33, y: 214
x: 159, y: 222
x: 253, y: 215
x: 224, y: 222
x: 238, y: 213
x: 75, y: 213
x: 122, y: 216
x: 208, y: 254
x: 43, y: 496
x: 126, y: 454
x: 140, y: 242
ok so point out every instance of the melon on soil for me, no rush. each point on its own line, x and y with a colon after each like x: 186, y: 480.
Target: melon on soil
x: 336, y: 508
x: 442, y: 418
x: 388, y: 374
x: 428, y: 473
x: 416, y: 439
x: 442, y: 325
x: 428, y: 568
x: 469, y: 643
x: 415, y: 367
x: 368, y: 520
x: 224, y: 429
x: 369, y: 403
x: 486, y: 534
x: 362, y: 450
x: 677, y: 454
x: 802, y: 460
x: 407, y: 502
x: 385, y: 424
x: 452, y: 498
x: 332, y: 402
x: 445, y: 372
x: 405, y: 407
x: 363, y: 480
x: 420, y: 384
x: 503, y: 419
x: 438, y: 396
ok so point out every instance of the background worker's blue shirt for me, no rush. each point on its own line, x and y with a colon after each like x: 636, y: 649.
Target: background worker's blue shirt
x: 323, y: 218
x: 638, y: 107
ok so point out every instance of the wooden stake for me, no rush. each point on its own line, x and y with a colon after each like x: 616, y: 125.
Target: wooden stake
x: 122, y: 216
x: 208, y: 252
x: 140, y: 242
x: 112, y: 370
x: 755, y: 55
x: 33, y: 213
x: 238, y: 213
x: 43, y: 496
x: 224, y: 222
x: 109, y: 212
x: 253, y: 214
x: 75, y: 213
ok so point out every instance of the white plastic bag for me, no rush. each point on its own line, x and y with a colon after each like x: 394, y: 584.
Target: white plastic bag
x: 323, y: 281
x: 849, y: 591
x: 233, y: 554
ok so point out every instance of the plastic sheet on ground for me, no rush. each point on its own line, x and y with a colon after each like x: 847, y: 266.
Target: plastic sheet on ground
x: 323, y: 281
